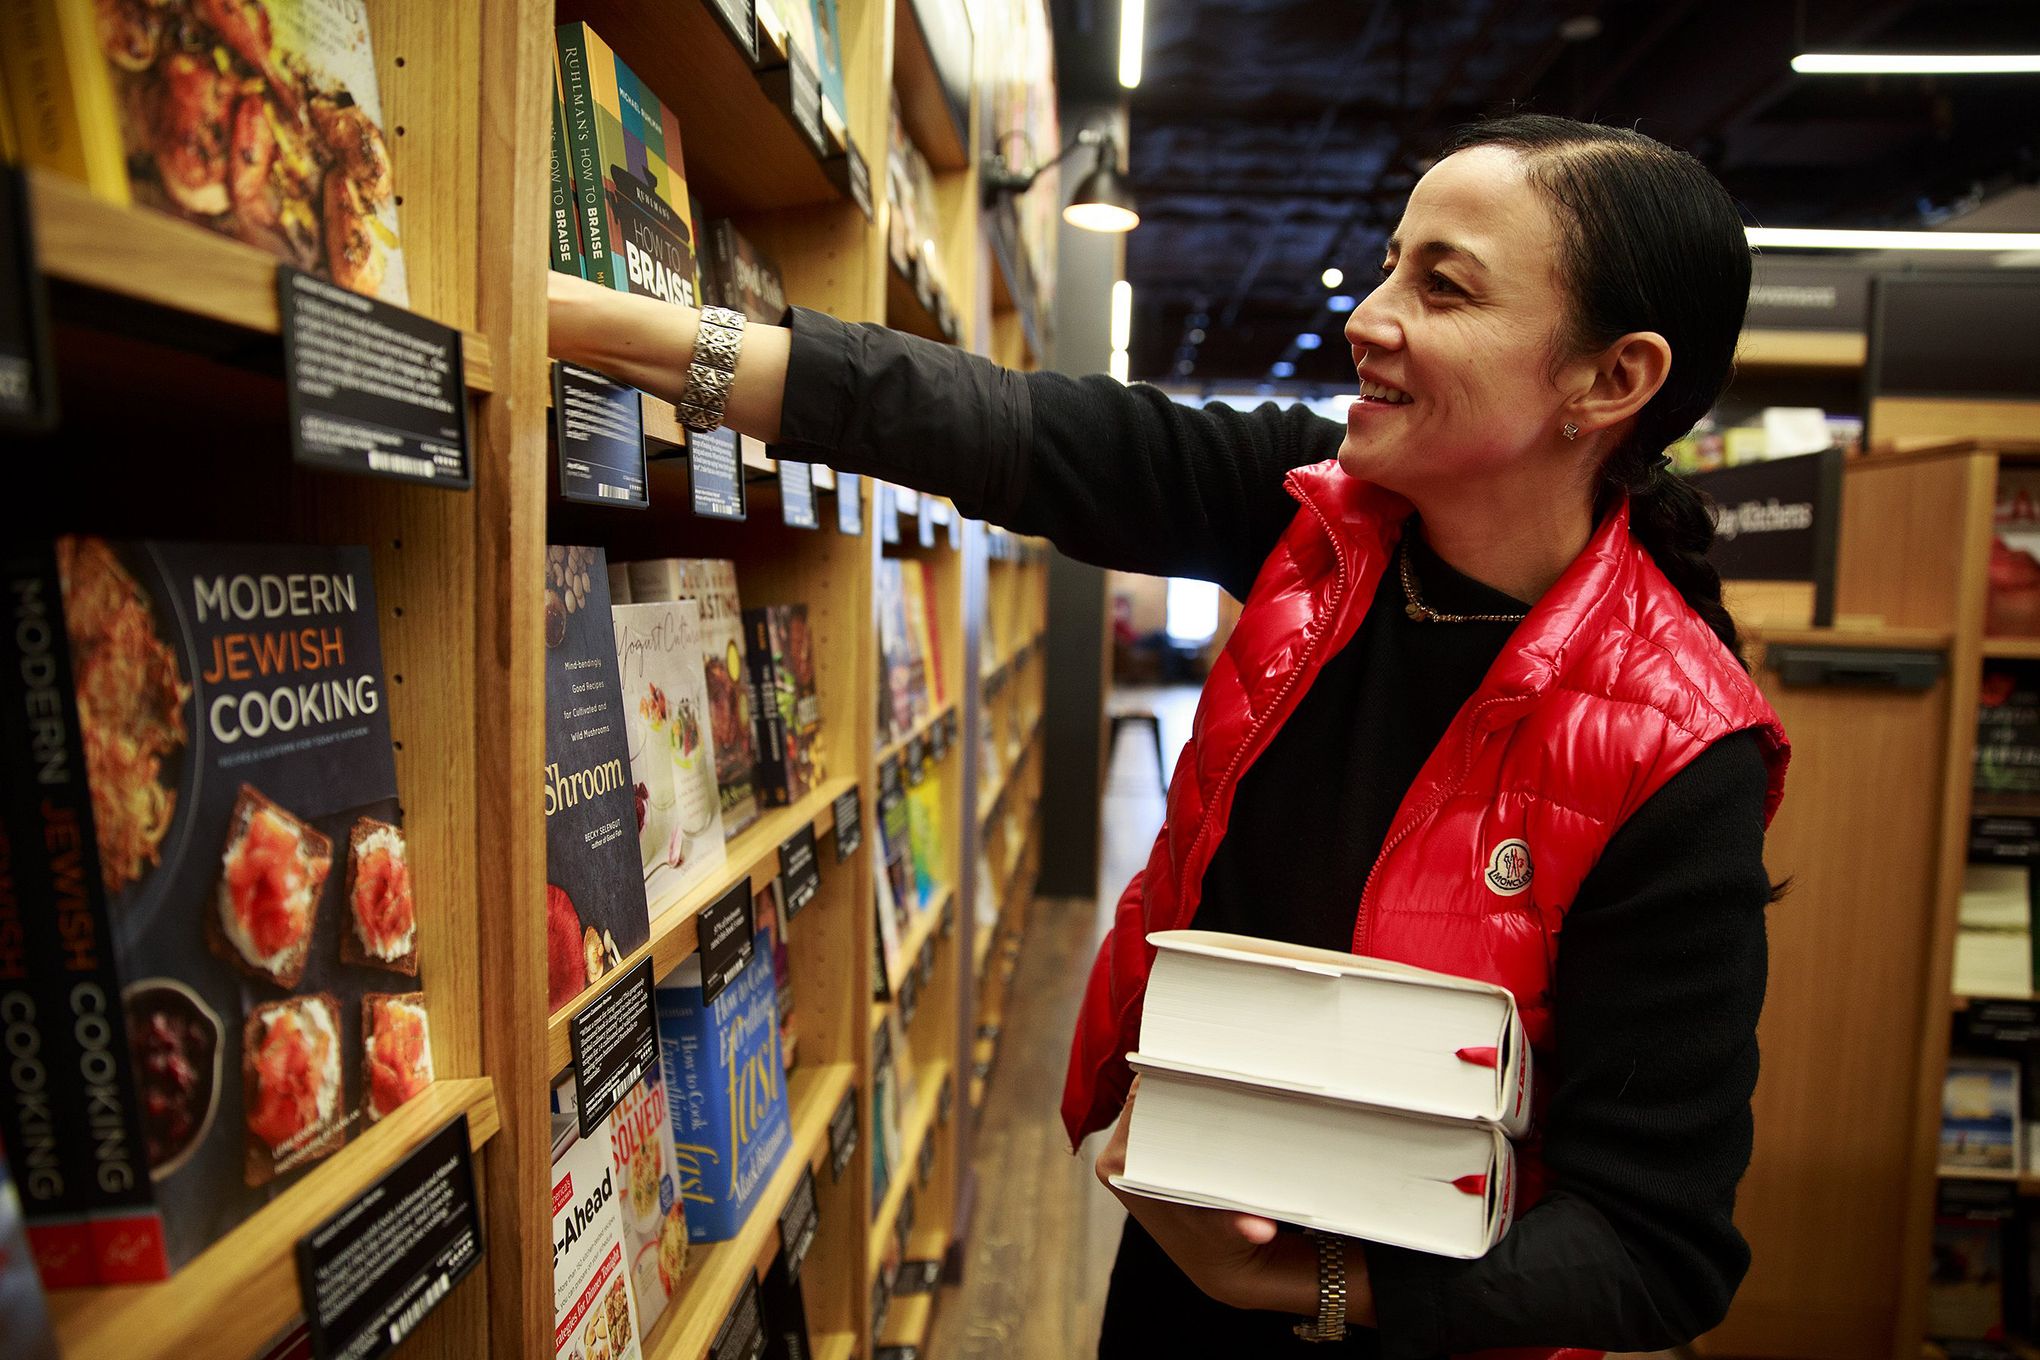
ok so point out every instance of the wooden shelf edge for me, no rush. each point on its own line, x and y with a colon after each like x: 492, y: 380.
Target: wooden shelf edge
x: 2012, y: 648
x: 923, y: 108
x: 1761, y: 347
x: 243, y: 1290
x: 919, y: 930
x: 835, y: 1345
x: 907, y: 1319
x: 753, y: 854
x: 920, y: 1119
x: 154, y: 258
x: 718, y: 1270
x: 920, y: 729
x: 1028, y: 747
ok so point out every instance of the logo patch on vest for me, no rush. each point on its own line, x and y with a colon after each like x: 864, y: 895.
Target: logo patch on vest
x: 1508, y: 868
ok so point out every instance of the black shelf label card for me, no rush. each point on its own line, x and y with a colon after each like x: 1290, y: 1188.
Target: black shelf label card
x: 887, y: 508
x: 949, y: 724
x: 849, y: 504
x: 903, y: 1227
x: 724, y: 930
x: 859, y: 171
x: 797, y: 495
x: 938, y: 739
x: 599, y: 430
x: 742, y: 1334
x: 946, y: 1100
x: 369, y: 1274
x: 843, y: 1135
x: 918, y: 1277
x: 927, y: 1163
x: 889, y: 786
x: 948, y: 922
x: 615, y: 1040
x: 897, y: 1353
x: 798, y: 1222
x: 372, y: 388
x: 849, y: 809
x: 805, y: 89
x: 715, y: 474
x: 741, y: 23
x: 926, y: 962
x: 801, y: 868
x: 927, y: 521
x: 910, y: 996
x: 917, y: 760
x: 881, y: 1300
x: 28, y: 382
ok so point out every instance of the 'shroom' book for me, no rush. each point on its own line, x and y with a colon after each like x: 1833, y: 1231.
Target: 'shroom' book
x: 629, y: 176
x: 252, y: 867
x: 727, y: 1085
x: 595, y: 912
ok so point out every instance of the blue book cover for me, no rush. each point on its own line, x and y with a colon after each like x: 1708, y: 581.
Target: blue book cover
x: 727, y: 1089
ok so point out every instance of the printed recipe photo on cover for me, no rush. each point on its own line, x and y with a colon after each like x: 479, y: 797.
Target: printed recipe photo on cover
x: 237, y: 743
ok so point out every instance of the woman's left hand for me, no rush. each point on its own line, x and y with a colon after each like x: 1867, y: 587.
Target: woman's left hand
x: 1241, y: 1260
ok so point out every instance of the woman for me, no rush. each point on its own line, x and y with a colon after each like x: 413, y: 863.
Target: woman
x: 1483, y: 712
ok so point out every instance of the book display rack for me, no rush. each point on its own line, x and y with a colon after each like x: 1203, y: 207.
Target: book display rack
x: 177, y: 357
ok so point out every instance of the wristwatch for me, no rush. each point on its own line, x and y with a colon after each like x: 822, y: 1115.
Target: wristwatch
x: 1330, y: 1323
x: 717, y: 342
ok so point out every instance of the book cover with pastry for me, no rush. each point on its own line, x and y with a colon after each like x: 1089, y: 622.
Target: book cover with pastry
x: 712, y: 584
x: 667, y: 729
x: 251, y: 867
x: 262, y: 122
x: 594, y: 898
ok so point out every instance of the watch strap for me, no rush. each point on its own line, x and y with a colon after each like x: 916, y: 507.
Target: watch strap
x: 1330, y: 1323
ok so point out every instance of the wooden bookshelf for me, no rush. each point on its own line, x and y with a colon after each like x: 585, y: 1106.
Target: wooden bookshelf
x: 164, y: 344
x: 243, y: 1290
x: 2012, y: 648
x: 919, y: 730
x: 152, y: 258
x: 916, y: 1123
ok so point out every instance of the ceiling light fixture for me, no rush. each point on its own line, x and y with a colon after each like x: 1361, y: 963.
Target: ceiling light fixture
x: 1282, y: 368
x: 1117, y: 365
x: 1309, y: 340
x: 1132, y: 19
x: 1122, y: 315
x: 1342, y: 302
x: 1915, y: 64
x: 1102, y: 202
x: 1821, y: 238
x: 1332, y: 277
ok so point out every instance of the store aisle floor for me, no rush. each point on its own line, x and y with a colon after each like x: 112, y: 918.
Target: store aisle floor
x: 1041, y: 1246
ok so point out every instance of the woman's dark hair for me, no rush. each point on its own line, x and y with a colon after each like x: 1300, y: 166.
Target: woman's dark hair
x: 1655, y: 244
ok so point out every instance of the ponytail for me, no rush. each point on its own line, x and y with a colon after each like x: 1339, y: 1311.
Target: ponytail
x: 1674, y: 521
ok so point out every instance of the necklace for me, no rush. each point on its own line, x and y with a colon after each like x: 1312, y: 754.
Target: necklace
x: 1414, y: 606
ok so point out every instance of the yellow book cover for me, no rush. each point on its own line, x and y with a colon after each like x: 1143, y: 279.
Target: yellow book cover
x: 60, y: 94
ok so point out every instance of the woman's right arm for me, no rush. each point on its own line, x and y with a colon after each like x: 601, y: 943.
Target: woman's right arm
x: 1114, y: 475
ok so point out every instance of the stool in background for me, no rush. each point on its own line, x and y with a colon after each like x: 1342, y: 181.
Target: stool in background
x: 1139, y: 717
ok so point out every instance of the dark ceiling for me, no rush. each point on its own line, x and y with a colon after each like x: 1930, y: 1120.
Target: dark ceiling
x: 1271, y: 138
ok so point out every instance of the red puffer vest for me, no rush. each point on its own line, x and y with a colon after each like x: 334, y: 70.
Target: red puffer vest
x: 1603, y: 693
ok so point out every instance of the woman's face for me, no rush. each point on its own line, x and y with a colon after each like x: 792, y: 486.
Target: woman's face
x: 1454, y: 347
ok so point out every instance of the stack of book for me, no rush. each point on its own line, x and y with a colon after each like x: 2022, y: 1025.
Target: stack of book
x: 1347, y: 1094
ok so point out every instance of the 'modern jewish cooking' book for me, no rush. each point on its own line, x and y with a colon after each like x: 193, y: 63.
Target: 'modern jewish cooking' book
x: 727, y: 1085
x: 595, y: 894
x: 712, y: 584
x: 260, y: 122
x: 249, y: 863
x: 594, y: 1309
x: 629, y: 177
x: 666, y: 724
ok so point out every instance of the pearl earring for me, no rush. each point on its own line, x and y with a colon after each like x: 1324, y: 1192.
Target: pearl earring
x: 1570, y: 430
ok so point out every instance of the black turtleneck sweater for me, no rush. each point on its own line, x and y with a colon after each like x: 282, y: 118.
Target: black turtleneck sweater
x: 1661, y: 963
